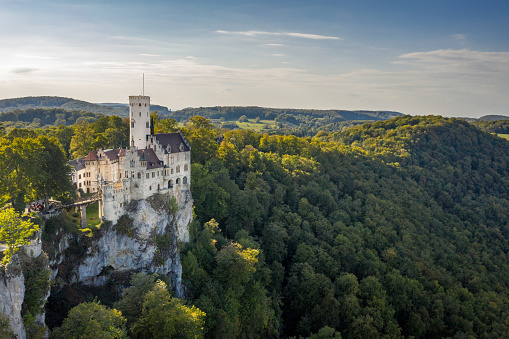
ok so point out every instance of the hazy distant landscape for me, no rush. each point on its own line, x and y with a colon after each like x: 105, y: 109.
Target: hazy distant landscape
x: 254, y: 169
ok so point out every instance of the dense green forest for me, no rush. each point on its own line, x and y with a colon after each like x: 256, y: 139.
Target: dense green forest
x: 493, y: 126
x: 395, y: 228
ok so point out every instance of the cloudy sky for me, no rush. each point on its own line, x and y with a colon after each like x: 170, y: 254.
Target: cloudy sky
x: 447, y: 57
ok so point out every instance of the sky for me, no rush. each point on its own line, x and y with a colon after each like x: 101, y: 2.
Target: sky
x: 441, y: 57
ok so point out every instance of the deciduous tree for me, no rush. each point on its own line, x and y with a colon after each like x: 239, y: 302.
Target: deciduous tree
x: 14, y: 231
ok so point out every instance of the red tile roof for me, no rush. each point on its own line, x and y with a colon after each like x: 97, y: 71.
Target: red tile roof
x: 92, y: 156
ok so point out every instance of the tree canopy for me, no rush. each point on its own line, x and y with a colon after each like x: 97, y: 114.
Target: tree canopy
x: 14, y: 231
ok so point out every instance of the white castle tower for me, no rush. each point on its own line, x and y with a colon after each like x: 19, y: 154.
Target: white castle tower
x: 139, y: 113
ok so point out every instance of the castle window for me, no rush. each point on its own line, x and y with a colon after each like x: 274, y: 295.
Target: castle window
x: 132, y: 124
x: 147, y: 125
x: 177, y: 181
x: 140, y: 114
x: 178, y: 168
x: 158, y: 188
x: 172, y: 160
x: 150, y: 188
x: 157, y: 173
x: 187, y: 156
x: 148, y: 175
x: 186, y: 167
x: 172, y: 171
x: 153, y: 175
x: 170, y: 184
x: 140, y: 104
x: 184, y: 181
x: 79, y: 176
x: 139, y: 175
x: 126, y: 174
x: 181, y: 147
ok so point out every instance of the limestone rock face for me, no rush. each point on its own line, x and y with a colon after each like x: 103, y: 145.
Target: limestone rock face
x: 143, y: 240
x: 12, y: 292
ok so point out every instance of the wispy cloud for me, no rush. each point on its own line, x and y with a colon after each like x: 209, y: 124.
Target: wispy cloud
x: 463, y: 61
x: 291, y: 34
x: 273, y: 45
x: 24, y: 70
x: 461, y: 37
x: 278, y: 55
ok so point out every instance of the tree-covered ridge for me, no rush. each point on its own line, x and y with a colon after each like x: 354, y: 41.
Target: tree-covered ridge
x: 493, y: 126
x: 395, y: 228
x: 67, y: 104
x: 45, y: 117
x: 295, y: 121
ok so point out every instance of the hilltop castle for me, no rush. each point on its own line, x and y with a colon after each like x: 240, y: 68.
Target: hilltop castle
x: 153, y: 163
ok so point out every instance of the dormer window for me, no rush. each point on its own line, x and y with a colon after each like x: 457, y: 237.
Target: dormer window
x: 181, y: 147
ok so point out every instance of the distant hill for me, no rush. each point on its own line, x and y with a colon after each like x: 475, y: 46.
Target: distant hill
x: 493, y: 117
x: 300, y: 122
x: 229, y: 113
x: 303, y: 122
x: 42, y: 117
x: 69, y: 104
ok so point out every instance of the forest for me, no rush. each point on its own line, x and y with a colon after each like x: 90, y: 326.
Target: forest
x: 395, y: 228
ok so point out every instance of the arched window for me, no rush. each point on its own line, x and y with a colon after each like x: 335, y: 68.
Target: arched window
x: 186, y: 167
x: 177, y: 181
x: 184, y: 181
x: 150, y: 188
x: 170, y: 184
x: 158, y: 187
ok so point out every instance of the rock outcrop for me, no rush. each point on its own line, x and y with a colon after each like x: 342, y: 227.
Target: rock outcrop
x: 12, y: 293
x: 144, y: 239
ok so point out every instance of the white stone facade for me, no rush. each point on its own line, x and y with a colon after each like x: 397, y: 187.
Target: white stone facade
x: 162, y: 165
x: 139, y: 113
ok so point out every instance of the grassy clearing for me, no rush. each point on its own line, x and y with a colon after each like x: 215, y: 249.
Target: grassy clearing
x: 251, y: 124
x: 93, y: 214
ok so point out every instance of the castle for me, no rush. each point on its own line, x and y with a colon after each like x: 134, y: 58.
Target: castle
x: 153, y: 163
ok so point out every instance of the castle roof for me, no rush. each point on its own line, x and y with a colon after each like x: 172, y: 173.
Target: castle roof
x: 150, y: 157
x: 174, y: 140
x: 78, y: 164
x: 92, y: 156
x: 112, y: 154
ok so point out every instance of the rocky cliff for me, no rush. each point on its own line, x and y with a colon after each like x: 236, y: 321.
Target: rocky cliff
x: 12, y: 292
x: 144, y: 239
